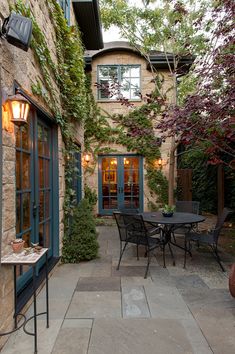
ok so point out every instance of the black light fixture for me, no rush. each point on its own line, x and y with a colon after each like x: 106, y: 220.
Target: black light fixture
x: 17, y: 30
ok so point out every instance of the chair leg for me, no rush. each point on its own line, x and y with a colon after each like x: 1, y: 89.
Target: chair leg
x: 164, y: 258
x: 121, y: 253
x: 147, y: 267
x: 185, y: 251
x: 217, y: 257
x: 172, y: 255
x: 173, y: 234
x: 137, y: 251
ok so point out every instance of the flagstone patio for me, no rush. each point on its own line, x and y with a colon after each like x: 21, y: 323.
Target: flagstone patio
x: 95, y: 309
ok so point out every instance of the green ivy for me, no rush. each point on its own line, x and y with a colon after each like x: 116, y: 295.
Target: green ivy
x: 134, y: 131
x: 64, y: 85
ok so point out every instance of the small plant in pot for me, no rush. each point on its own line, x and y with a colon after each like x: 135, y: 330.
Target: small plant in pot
x: 168, y: 210
x: 17, y: 245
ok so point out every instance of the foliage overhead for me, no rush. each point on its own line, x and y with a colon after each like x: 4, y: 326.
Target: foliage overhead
x: 207, y: 117
x: 204, y: 113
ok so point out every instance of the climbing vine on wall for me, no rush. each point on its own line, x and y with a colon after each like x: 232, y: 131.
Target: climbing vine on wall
x: 73, y: 93
x: 62, y: 84
x: 134, y: 131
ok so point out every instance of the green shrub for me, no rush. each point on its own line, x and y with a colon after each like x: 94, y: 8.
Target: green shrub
x: 90, y: 195
x: 82, y: 243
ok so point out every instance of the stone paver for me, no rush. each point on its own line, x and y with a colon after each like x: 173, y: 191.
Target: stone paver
x: 138, y: 336
x: 94, y: 304
x: 73, y: 337
x: 95, y: 309
x: 134, y: 302
x: 98, y: 284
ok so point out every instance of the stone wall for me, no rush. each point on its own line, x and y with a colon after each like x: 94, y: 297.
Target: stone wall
x: 119, y: 57
x: 23, y: 67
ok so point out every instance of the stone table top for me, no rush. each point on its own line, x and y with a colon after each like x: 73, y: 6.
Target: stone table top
x: 22, y: 258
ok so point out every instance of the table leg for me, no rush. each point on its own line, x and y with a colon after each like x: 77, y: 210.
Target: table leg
x: 35, y: 310
x: 47, y: 297
x: 15, y: 298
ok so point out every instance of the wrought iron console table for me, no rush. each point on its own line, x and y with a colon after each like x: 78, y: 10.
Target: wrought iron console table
x: 32, y: 260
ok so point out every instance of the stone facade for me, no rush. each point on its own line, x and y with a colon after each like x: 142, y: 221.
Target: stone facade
x: 21, y: 66
x: 122, y: 57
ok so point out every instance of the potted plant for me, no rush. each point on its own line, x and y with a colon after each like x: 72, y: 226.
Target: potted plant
x: 168, y: 210
x: 17, y: 245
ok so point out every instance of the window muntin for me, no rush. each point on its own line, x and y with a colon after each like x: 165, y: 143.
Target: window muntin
x: 123, y: 80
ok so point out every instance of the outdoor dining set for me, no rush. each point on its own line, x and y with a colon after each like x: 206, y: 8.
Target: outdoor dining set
x: 154, y: 230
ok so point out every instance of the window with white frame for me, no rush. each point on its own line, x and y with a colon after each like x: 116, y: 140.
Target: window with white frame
x: 65, y: 5
x: 116, y: 81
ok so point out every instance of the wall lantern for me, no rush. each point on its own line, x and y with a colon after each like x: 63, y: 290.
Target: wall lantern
x: 18, y: 109
x: 87, y: 158
x: 159, y: 162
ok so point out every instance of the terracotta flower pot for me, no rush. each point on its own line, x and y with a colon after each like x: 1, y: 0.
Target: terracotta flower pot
x: 232, y: 280
x: 17, y: 245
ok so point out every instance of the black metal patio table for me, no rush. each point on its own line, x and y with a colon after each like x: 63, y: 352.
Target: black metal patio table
x: 172, y: 223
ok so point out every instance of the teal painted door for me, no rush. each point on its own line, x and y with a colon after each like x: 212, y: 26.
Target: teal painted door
x: 33, y: 189
x: 120, y: 183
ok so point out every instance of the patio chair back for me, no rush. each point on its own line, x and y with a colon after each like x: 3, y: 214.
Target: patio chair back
x: 122, y: 228
x: 187, y: 206
x: 136, y: 228
x: 220, y: 222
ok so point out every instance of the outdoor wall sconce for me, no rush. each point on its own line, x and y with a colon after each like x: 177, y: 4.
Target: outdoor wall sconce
x: 18, y: 109
x: 17, y: 30
x: 86, y: 158
x: 159, y: 163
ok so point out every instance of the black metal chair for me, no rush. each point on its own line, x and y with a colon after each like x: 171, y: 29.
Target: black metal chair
x: 210, y: 238
x: 132, y: 229
x: 186, y: 206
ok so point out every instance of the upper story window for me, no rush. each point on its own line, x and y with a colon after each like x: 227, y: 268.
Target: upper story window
x: 65, y: 5
x: 119, y: 80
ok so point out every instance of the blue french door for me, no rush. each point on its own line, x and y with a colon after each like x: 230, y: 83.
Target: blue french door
x: 120, y: 183
x: 33, y: 188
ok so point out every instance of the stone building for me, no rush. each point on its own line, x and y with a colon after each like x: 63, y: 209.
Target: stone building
x: 119, y: 178
x: 32, y: 178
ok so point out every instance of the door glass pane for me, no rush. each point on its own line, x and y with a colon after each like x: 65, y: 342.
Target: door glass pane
x: 109, y: 182
x: 41, y: 235
x: 40, y: 140
x: 18, y: 171
x: 47, y: 235
x: 131, y: 182
x: 46, y: 143
x: 26, y: 210
x: 26, y: 171
x: 25, y: 137
x: 47, y: 205
x: 26, y: 238
x: 47, y: 173
x: 41, y: 206
x: 40, y: 173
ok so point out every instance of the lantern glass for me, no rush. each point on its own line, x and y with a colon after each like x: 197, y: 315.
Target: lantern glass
x: 87, y: 158
x: 19, y: 109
